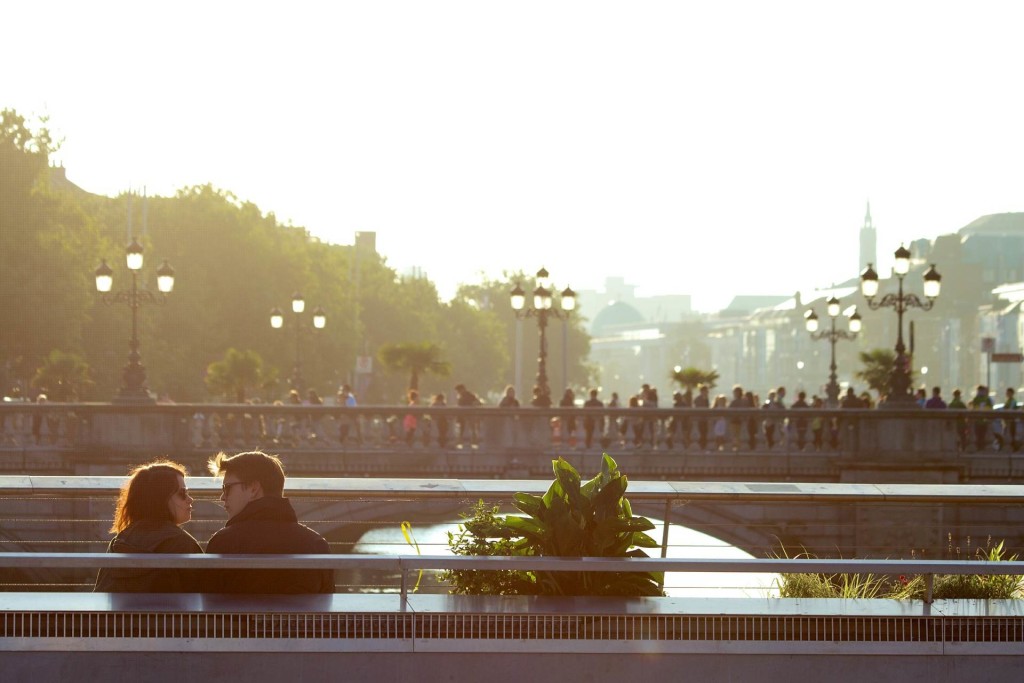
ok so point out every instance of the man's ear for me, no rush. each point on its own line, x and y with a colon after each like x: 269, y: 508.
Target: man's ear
x: 257, y: 490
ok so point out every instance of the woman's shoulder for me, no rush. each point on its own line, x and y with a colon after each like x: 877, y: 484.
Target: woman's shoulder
x: 178, y: 540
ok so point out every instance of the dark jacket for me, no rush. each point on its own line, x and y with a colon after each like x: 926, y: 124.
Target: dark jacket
x: 151, y: 537
x: 268, y: 526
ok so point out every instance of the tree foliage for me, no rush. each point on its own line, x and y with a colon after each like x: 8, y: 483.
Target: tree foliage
x: 43, y: 234
x: 234, y: 263
x: 691, y: 378
x: 878, y: 365
x: 491, y: 297
x: 62, y: 376
x: 235, y: 375
x: 416, y: 359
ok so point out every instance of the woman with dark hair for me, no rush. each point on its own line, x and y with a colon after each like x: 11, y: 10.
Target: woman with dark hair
x: 151, y: 508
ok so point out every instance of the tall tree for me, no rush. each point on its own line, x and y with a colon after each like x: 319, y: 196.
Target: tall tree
x: 414, y: 358
x: 46, y: 246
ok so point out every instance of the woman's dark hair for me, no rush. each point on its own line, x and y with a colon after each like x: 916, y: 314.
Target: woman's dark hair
x: 145, y: 494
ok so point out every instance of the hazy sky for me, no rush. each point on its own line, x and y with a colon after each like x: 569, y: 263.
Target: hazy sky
x: 704, y: 148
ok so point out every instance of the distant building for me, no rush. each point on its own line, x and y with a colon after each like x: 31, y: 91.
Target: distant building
x: 366, y: 242
x: 868, y: 242
x: 667, y: 308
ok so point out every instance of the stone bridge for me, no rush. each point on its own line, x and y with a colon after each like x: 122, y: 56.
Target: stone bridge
x: 856, y: 446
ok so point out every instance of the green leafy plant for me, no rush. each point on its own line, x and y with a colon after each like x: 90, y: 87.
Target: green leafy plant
x: 484, y: 532
x: 571, y: 519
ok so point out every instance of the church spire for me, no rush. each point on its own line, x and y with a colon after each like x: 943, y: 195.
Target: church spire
x: 868, y: 241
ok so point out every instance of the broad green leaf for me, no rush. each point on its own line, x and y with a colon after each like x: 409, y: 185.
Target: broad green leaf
x: 644, y: 541
x: 528, y: 503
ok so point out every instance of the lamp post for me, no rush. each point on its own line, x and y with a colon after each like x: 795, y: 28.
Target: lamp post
x: 133, y: 385
x: 832, y: 335
x: 542, y: 309
x: 277, y: 322
x: 900, y: 381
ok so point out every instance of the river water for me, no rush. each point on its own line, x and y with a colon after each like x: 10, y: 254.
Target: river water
x: 684, y: 543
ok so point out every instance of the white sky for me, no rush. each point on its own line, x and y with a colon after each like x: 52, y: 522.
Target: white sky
x: 704, y: 148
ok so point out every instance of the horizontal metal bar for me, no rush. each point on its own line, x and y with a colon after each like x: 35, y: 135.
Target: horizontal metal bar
x: 433, y: 562
x: 463, y: 489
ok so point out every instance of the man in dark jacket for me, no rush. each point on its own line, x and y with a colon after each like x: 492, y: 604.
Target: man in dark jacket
x: 261, y: 521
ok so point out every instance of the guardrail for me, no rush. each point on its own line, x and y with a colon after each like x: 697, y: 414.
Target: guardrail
x: 53, y: 513
x: 404, y: 564
x: 283, y: 427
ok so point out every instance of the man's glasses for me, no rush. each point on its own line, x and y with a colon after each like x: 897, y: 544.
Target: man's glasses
x: 225, y: 487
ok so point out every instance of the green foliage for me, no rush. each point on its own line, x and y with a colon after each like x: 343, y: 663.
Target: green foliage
x: 971, y: 586
x: 233, y: 376
x: 234, y: 263
x: 414, y: 358
x: 691, y: 378
x: 571, y: 519
x: 944, y: 586
x: 800, y: 585
x: 491, y: 299
x: 483, y: 532
x: 43, y: 239
x: 877, y: 371
x: 62, y: 376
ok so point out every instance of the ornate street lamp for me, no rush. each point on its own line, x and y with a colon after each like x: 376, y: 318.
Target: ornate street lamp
x: 833, y: 335
x: 133, y: 385
x: 277, y: 322
x: 900, y: 382
x: 542, y: 309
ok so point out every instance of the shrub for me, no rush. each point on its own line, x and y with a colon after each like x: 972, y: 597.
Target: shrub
x: 570, y: 520
x: 944, y: 586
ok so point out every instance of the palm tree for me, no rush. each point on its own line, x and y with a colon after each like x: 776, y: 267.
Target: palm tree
x: 415, y: 358
x: 877, y: 371
x: 690, y: 378
x: 62, y: 375
x: 231, y: 377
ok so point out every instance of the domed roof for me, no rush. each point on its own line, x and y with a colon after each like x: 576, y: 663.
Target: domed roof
x: 617, y: 314
x: 995, y: 224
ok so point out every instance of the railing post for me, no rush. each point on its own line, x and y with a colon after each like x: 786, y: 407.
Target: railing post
x: 664, y: 531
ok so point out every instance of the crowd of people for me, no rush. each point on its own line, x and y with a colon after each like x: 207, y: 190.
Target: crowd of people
x: 287, y: 429
x: 814, y: 432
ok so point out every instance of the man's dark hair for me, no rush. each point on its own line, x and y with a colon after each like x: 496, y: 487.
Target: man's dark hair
x: 252, y: 466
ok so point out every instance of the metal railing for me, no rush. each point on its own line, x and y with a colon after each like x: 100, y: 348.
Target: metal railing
x: 45, y: 513
x: 406, y: 564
